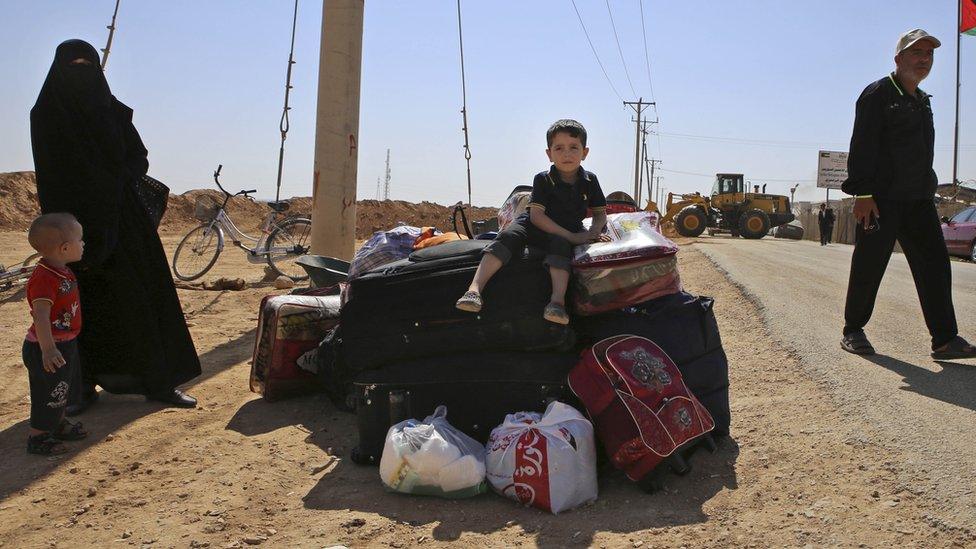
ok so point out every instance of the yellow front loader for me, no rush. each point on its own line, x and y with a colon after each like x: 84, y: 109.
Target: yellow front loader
x: 729, y: 209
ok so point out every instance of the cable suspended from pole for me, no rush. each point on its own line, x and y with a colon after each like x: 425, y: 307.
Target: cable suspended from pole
x: 284, y: 125
x: 111, y: 34
x: 464, y: 104
x: 619, y: 50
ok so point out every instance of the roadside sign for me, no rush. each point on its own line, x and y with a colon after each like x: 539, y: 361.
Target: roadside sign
x: 831, y: 169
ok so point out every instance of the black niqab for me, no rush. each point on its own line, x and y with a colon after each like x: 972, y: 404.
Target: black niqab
x: 87, y: 158
x: 83, y: 147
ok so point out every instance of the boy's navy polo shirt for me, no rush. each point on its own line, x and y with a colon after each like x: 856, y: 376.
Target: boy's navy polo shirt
x: 566, y: 203
x: 893, y: 144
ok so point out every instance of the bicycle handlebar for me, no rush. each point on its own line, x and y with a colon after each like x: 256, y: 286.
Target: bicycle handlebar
x: 216, y: 176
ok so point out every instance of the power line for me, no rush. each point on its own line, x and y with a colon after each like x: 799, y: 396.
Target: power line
x: 744, y: 141
x: 767, y: 179
x: 619, y: 50
x: 647, y: 57
x: 602, y: 68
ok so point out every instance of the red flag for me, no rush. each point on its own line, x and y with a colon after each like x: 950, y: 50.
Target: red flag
x: 968, y: 10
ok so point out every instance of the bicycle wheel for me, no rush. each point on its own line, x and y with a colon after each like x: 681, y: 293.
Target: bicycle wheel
x: 198, y: 252
x: 289, y: 241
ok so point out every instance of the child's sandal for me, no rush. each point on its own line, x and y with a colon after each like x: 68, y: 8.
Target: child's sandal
x: 70, y: 431
x: 470, y: 302
x: 554, y: 312
x: 45, y: 445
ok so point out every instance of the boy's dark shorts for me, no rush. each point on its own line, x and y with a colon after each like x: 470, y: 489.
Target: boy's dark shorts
x: 512, y: 241
x: 49, y: 390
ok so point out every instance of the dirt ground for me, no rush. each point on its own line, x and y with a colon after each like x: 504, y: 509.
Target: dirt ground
x: 239, y: 471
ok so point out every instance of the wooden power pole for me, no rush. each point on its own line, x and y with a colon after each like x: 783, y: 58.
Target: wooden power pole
x: 337, y: 129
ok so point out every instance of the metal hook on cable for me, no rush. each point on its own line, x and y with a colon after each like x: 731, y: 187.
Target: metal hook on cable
x: 284, y: 124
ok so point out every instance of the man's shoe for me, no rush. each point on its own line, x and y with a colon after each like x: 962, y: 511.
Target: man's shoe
x: 176, y: 398
x: 87, y: 399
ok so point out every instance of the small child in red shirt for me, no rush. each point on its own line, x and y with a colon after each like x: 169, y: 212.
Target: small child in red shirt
x: 50, y: 350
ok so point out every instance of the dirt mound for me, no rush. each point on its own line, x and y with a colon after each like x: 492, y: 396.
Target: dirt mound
x: 18, y: 200
x: 18, y: 206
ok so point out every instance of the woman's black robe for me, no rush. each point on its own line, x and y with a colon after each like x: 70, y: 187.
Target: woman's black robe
x: 88, y: 156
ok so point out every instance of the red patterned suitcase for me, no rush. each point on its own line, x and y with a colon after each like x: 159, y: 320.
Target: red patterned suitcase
x: 290, y: 328
x: 641, y: 409
x: 636, y: 265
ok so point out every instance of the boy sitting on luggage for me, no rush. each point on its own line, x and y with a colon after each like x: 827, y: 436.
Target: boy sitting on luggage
x: 554, y: 220
x: 50, y: 351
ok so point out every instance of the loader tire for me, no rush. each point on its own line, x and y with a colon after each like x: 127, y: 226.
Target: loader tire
x: 691, y: 221
x: 754, y: 224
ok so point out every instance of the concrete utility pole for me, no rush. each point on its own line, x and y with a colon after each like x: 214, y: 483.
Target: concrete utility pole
x: 650, y: 181
x: 644, y: 124
x: 638, y: 107
x: 337, y: 129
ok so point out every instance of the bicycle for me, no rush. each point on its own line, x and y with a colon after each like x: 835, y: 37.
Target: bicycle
x: 282, y: 242
x: 17, y: 275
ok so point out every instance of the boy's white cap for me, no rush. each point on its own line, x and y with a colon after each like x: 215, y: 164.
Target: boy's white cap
x: 909, y: 38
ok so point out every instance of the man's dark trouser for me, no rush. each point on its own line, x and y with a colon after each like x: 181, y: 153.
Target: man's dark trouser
x: 915, y: 224
x: 824, y: 235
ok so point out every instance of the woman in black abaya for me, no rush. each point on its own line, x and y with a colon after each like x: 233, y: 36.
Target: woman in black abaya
x: 88, y: 157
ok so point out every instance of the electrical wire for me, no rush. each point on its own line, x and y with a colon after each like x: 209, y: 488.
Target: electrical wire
x: 767, y: 179
x: 647, y: 57
x: 593, y: 49
x: 619, y: 49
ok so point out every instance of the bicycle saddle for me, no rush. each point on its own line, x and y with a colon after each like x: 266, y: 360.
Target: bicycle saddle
x: 279, y: 206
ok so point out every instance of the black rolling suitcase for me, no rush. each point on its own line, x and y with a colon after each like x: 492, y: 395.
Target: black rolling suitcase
x: 405, y: 309
x: 478, y: 390
x: 684, y: 326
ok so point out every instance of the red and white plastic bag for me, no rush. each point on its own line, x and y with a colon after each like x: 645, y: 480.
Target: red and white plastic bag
x: 547, y: 461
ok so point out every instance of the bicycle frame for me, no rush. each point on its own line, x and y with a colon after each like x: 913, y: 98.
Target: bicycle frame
x: 256, y: 246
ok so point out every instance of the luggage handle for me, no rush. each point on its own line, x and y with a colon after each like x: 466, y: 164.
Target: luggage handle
x: 459, y: 207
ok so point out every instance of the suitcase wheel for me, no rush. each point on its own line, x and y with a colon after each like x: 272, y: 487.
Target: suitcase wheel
x: 359, y: 459
x: 653, y: 481
x: 678, y: 464
x: 709, y: 443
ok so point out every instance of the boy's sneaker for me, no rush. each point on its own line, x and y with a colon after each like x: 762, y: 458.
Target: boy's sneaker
x: 556, y: 313
x: 470, y: 302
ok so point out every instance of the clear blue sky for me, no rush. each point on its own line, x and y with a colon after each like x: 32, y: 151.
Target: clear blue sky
x: 206, y: 81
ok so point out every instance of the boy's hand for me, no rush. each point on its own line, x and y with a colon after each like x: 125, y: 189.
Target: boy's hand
x: 52, y: 359
x: 579, y: 238
x: 598, y: 236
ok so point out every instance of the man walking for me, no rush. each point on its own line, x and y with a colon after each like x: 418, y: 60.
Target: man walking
x: 891, y: 177
x: 825, y: 221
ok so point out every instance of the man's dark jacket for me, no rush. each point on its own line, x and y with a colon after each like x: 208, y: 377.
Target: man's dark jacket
x: 892, y: 145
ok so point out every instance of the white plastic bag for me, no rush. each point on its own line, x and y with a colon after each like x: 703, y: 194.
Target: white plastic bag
x: 546, y: 461
x: 432, y: 458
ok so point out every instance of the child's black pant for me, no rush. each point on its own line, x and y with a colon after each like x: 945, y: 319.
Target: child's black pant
x: 512, y: 241
x: 915, y: 224
x: 49, y: 391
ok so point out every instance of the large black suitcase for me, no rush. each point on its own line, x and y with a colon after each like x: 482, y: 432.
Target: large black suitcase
x: 478, y: 390
x: 684, y: 326
x: 406, y: 308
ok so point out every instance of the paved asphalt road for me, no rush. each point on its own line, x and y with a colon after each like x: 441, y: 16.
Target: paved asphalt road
x: 923, y: 408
